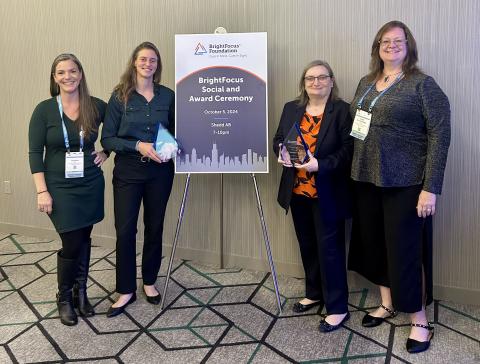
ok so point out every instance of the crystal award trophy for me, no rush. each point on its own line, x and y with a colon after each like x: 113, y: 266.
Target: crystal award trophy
x: 296, y: 146
x: 165, y: 145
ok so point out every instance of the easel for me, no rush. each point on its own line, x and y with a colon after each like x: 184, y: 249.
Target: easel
x: 221, y: 30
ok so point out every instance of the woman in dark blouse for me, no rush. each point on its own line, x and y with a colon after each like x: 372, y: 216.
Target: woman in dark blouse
x: 398, y: 165
x: 138, y: 106
x: 317, y: 191
x: 65, y: 128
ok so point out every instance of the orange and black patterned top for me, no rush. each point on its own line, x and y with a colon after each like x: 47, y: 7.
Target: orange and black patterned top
x: 305, y: 181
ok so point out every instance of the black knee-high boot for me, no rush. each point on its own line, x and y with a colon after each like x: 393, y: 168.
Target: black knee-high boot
x: 80, y: 298
x: 66, y: 272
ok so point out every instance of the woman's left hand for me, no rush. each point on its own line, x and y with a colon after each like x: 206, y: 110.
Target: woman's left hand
x: 310, y: 166
x: 426, y: 204
x: 100, y: 157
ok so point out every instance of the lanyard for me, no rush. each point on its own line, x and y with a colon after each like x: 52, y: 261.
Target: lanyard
x: 305, y: 146
x: 374, y: 101
x: 64, y: 128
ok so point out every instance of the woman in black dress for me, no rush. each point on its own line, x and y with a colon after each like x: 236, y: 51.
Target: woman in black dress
x: 398, y: 166
x: 68, y: 180
x: 139, y: 104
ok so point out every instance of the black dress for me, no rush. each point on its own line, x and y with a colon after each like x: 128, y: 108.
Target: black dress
x: 77, y: 202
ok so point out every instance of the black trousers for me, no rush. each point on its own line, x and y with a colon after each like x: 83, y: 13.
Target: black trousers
x: 74, y: 241
x: 390, y: 244
x: 135, y: 181
x: 322, y: 247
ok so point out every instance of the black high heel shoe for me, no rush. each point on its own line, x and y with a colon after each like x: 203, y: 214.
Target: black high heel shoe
x: 414, y: 346
x: 115, y: 311
x: 372, y: 321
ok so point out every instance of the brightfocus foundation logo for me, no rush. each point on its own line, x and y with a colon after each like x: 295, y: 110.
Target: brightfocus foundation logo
x: 218, y: 48
x: 200, y: 49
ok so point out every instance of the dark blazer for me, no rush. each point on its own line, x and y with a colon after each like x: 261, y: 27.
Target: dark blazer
x: 333, y: 151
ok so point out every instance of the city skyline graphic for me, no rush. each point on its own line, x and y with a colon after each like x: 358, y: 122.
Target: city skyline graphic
x: 217, y: 162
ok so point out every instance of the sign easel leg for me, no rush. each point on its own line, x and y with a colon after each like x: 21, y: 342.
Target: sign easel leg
x: 175, y: 240
x: 222, y: 265
x: 267, y: 244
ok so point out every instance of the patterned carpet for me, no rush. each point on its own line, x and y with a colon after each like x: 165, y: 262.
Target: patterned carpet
x: 211, y: 316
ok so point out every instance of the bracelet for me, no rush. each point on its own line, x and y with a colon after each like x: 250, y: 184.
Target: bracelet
x: 39, y: 193
x: 136, y: 145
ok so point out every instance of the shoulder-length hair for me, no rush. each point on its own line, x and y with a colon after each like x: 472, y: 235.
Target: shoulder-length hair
x: 128, y: 80
x: 87, y: 112
x: 409, y: 66
x: 302, y: 98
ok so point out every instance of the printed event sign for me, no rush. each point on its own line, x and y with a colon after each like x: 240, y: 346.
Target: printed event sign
x: 221, y: 103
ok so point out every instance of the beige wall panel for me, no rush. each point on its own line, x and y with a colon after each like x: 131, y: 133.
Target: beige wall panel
x: 103, y: 33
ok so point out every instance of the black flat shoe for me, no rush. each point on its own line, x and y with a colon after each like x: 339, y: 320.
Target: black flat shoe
x: 154, y: 300
x: 326, y: 327
x: 300, y: 307
x: 414, y: 346
x: 115, y: 311
x: 372, y: 321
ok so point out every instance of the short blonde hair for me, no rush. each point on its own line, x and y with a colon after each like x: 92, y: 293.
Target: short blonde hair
x: 303, y: 98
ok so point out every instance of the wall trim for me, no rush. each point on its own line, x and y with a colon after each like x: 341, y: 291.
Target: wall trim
x: 447, y: 293
x: 457, y: 294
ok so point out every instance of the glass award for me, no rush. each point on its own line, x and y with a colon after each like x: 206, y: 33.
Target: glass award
x: 165, y: 144
x: 296, y: 146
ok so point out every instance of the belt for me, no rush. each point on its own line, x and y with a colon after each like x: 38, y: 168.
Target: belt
x: 136, y: 156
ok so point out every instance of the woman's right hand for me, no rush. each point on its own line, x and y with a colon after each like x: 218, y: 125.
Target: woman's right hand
x: 44, y: 202
x: 147, y: 150
x: 284, y: 157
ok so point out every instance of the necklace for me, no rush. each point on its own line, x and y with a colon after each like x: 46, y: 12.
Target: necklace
x: 387, y: 77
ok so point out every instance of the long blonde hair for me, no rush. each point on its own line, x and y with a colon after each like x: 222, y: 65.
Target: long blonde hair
x: 87, y: 112
x: 128, y: 80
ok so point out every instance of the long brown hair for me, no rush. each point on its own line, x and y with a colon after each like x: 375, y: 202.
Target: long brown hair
x: 302, y: 98
x: 409, y: 65
x: 87, y: 111
x: 128, y: 80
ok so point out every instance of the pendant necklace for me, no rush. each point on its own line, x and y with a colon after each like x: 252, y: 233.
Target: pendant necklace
x: 387, y: 77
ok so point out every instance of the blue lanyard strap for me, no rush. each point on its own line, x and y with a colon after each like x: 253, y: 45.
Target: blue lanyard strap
x: 64, y: 128
x: 299, y: 131
x: 374, y: 101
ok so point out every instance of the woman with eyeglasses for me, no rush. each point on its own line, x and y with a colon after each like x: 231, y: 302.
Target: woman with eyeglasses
x: 138, y: 107
x: 402, y: 135
x: 67, y: 177
x: 314, y: 147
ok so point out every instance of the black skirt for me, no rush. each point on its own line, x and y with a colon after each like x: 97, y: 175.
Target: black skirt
x: 77, y: 202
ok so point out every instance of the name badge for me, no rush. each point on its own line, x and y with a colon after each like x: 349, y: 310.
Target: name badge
x: 74, y: 165
x: 361, y: 124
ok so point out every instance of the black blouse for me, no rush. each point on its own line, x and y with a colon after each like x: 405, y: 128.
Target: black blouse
x: 139, y: 120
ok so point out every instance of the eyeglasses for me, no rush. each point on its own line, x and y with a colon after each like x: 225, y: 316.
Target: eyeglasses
x: 397, y: 42
x: 321, y: 78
